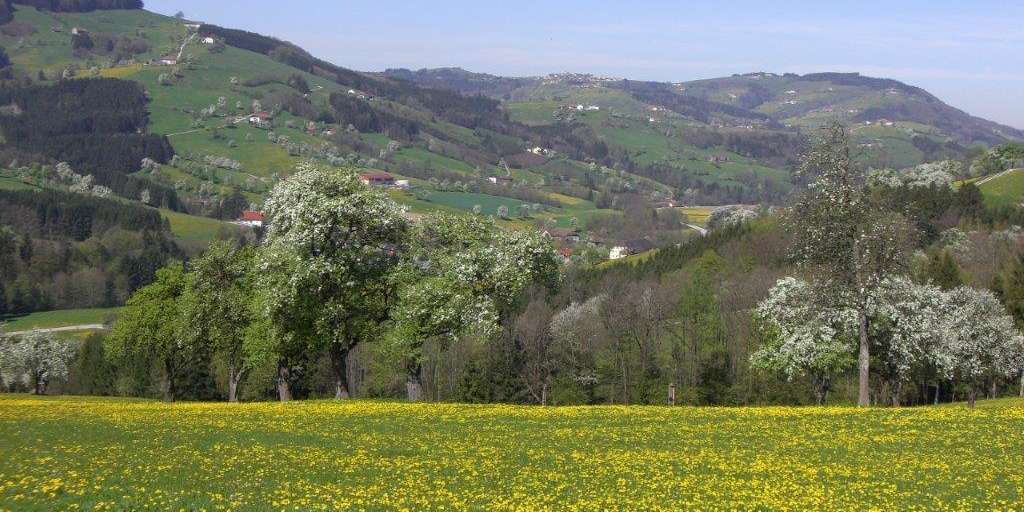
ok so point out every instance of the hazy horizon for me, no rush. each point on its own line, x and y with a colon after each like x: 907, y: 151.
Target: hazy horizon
x: 966, y: 54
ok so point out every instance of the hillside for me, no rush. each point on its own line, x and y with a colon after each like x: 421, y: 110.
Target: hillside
x: 220, y: 115
x: 203, y: 86
x: 896, y: 125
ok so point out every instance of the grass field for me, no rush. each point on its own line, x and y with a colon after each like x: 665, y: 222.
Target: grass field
x: 191, y: 229
x: 1004, y: 190
x: 64, y: 318
x: 697, y: 214
x: 8, y: 183
x: 104, y: 454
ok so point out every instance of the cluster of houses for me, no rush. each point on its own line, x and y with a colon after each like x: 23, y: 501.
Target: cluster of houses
x: 360, y: 95
x: 566, y: 240
x: 881, y: 122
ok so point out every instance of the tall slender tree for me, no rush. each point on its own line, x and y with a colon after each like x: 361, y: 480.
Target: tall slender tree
x: 845, y: 237
x: 217, y: 306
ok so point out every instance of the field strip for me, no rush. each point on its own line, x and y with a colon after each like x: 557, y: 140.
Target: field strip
x: 70, y: 328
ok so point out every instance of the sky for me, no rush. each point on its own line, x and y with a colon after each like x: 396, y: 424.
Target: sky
x: 968, y: 53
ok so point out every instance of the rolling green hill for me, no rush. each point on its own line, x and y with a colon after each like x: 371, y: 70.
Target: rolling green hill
x: 603, y: 143
x: 895, y: 124
x: 1004, y: 189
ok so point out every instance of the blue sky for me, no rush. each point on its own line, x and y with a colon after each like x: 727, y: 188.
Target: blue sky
x: 968, y: 53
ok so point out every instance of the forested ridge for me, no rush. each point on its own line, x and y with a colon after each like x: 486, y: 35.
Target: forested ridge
x: 64, y: 250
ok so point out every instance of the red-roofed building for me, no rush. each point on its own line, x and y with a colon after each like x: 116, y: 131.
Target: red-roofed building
x: 250, y: 218
x: 377, y: 179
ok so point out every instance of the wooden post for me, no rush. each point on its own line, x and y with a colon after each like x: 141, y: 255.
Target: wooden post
x: 672, y: 394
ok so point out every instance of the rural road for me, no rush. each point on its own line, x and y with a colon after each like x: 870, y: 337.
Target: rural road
x: 70, y: 328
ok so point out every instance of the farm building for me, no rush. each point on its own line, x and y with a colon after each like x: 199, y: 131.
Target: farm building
x: 563, y: 235
x: 377, y: 179
x: 250, y: 218
x: 261, y: 120
x: 500, y: 180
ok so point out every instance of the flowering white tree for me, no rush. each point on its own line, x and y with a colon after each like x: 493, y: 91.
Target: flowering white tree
x: 803, y: 339
x: 905, y: 328
x: 331, y: 246
x: 37, y: 358
x: 463, y: 275
x: 938, y: 174
x: 851, y: 243
x: 733, y: 215
x: 577, y: 329
x: 979, y: 340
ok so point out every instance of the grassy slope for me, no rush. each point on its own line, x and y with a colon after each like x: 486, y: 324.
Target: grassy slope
x: 1005, y: 190
x: 374, y: 455
x: 624, y: 122
x: 54, y: 319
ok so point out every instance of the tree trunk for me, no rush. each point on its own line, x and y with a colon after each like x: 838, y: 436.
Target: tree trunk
x: 165, y: 388
x: 625, y: 382
x: 972, y: 396
x: 414, y: 382
x: 821, y: 384
x: 994, y: 389
x: 894, y: 390
x: 284, y: 390
x: 234, y: 378
x: 167, y: 384
x: 544, y: 393
x: 1022, y: 384
x: 339, y: 365
x: 864, y: 363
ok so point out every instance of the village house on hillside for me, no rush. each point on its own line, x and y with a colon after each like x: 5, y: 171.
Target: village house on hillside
x: 377, y: 179
x: 261, y: 120
x: 250, y: 218
x: 630, y: 248
x: 168, y: 60
x: 563, y: 235
x: 500, y: 180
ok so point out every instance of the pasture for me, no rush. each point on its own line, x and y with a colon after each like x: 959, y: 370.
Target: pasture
x: 112, y: 454
x: 1005, y: 189
x: 58, y: 319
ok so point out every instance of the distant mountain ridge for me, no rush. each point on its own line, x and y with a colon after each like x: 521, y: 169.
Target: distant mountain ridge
x: 778, y: 99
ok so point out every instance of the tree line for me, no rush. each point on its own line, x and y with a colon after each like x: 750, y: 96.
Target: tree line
x: 340, y: 269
